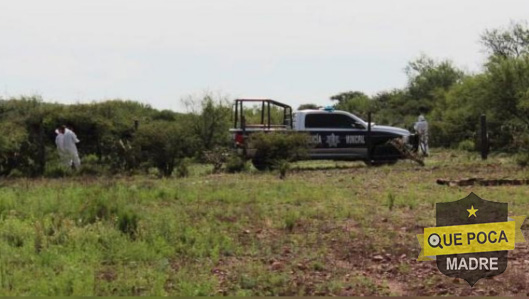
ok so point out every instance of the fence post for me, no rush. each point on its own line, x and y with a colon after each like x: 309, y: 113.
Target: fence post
x: 136, y: 124
x: 484, y: 137
x: 369, y: 144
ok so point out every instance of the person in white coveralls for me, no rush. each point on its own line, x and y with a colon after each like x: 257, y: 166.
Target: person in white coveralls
x: 59, y: 141
x: 421, y: 127
x: 66, y: 141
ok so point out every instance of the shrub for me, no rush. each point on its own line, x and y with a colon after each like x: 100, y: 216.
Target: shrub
x: 218, y: 156
x: 163, y: 144
x: 283, y: 167
x: 128, y: 223
x: 56, y: 171
x: 98, y: 209
x: 291, y: 218
x: 182, y: 170
x: 15, y: 173
x: 235, y: 164
x: 391, y: 201
x: 125, y: 156
x: 14, y: 232
x: 90, y: 170
x: 466, y: 145
x: 90, y: 159
x: 273, y: 148
x: 522, y: 159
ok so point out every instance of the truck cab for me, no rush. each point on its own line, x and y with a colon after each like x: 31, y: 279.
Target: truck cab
x: 336, y: 134
x: 332, y: 134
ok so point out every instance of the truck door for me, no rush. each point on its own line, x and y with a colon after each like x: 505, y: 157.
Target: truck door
x: 336, y: 136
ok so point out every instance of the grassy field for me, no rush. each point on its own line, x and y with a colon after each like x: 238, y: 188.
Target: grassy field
x: 327, y: 229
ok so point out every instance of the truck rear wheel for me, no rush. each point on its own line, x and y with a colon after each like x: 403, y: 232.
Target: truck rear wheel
x: 260, y: 164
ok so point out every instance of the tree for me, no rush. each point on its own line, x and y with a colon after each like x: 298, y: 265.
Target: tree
x: 356, y: 102
x: 209, y: 119
x: 510, y: 42
x: 307, y: 106
x: 348, y: 95
x: 23, y: 133
x: 508, y: 88
x: 427, y: 81
x: 456, y: 118
x: 13, y: 136
x: 501, y: 92
x: 390, y: 108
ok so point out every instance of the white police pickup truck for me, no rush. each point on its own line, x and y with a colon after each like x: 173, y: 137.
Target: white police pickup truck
x: 334, y: 134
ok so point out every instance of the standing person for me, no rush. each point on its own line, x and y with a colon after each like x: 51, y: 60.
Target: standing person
x: 70, y: 148
x: 59, y: 141
x: 421, y: 127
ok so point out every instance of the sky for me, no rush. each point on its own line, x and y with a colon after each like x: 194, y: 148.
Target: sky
x: 294, y: 51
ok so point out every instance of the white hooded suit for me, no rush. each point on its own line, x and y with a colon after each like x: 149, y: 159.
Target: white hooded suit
x: 421, y: 127
x: 66, y: 145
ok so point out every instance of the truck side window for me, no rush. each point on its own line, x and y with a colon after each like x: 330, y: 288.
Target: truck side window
x: 329, y: 120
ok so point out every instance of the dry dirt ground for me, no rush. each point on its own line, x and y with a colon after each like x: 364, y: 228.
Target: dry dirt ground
x: 376, y: 254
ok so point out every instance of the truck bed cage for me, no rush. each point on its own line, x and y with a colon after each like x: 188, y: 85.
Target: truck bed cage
x: 240, y: 120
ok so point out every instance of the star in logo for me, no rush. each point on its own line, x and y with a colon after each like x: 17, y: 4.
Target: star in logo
x: 472, y: 212
x: 332, y: 140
